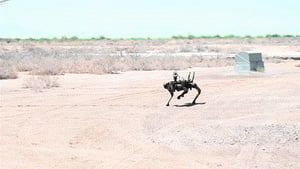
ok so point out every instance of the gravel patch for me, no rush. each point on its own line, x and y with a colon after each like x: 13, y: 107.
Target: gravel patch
x: 224, y: 135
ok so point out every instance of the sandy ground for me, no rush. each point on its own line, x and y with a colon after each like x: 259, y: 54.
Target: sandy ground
x: 246, y: 120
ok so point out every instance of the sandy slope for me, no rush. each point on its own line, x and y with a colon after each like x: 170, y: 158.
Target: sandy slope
x: 249, y: 120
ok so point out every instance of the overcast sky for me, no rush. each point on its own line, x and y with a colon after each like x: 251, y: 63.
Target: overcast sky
x: 151, y: 18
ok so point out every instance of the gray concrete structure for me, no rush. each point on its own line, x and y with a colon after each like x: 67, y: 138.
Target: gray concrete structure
x: 248, y: 61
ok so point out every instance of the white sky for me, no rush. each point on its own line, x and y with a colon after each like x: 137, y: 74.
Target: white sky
x: 151, y: 18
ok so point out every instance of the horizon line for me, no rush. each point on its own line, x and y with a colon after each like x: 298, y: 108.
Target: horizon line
x: 179, y: 36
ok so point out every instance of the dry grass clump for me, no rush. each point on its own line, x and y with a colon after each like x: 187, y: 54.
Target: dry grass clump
x: 101, y: 65
x: 39, y: 66
x: 164, y: 63
x: 115, y: 64
x: 38, y: 83
x: 35, y: 60
x: 7, y: 71
x: 48, y: 66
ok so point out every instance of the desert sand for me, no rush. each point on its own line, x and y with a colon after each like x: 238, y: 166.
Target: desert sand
x: 241, y: 120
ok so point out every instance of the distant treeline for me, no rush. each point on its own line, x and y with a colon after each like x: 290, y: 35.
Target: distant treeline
x: 75, y: 38
x: 231, y: 36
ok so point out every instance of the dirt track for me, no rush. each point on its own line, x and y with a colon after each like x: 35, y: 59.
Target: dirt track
x: 248, y: 120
